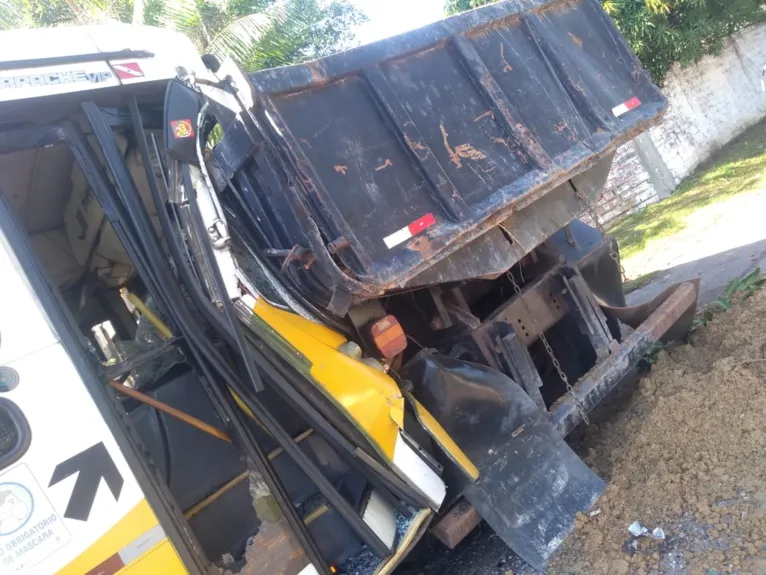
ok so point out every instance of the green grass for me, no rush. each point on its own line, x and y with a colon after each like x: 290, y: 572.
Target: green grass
x: 739, y: 167
x: 737, y: 290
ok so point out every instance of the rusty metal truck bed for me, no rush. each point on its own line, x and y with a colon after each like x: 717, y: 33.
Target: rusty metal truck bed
x: 380, y: 162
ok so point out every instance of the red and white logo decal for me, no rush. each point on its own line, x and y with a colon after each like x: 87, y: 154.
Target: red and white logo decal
x: 409, y: 231
x: 631, y: 104
x: 128, y: 70
x: 182, y: 129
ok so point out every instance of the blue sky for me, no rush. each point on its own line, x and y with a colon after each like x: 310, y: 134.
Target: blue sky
x: 390, y: 17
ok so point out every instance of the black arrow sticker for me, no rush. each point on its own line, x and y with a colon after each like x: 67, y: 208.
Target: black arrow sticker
x: 91, y: 466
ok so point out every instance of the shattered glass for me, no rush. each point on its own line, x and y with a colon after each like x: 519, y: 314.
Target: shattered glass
x: 148, y: 339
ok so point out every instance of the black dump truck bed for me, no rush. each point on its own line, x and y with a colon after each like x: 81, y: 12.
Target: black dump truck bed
x: 381, y: 163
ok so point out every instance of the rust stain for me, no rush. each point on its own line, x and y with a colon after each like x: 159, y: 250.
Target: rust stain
x: 487, y: 114
x: 341, y: 169
x: 420, y: 244
x: 309, y: 183
x: 452, y: 155
x: 506, y: 66
x: 305, y: 141
x: 384, y: 165
x: 465, y: 151
x: 318, y: 73
x: 576, y: 40
x: 414, y: 146
x: 504, y: 111
x: 561, y: 126
x: 499, y: 140
x: 499, y: 24
x: 530, y: 142
x: 577, y: 86
x: 468, y: 152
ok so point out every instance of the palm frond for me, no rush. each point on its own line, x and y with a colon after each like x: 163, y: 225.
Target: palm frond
x: 274, y: 37
x: 288, y: 32
x: 238, y: 38
x: 10, y: 16
x: 184, y: 16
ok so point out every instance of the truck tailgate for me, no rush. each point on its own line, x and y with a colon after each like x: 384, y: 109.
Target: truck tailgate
x: 405, y: 150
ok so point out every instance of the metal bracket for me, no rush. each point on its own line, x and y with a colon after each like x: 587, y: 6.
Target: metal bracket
x: 588, y: 315
x: 521, y: 367
x: 219, y: 235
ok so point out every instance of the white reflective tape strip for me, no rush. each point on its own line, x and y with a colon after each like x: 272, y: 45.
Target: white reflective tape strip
x: 380, y: 516
x: 309, y: 570
x: 620, y: 110
x: 408, y: 462
x: 398, y: 237
x: 141, y: 545
x: 626, y: 107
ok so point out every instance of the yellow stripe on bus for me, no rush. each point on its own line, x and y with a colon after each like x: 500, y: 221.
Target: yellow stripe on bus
x: 162, y: 558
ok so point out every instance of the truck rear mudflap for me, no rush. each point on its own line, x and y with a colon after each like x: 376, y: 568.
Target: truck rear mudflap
x: 365, y: 169
x: 531, y: 484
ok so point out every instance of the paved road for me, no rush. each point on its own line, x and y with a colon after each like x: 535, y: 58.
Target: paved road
x: 722, y: 241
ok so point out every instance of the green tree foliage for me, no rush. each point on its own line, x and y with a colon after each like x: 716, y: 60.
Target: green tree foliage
x: 257, y: 33
x: 266, y: 33
x: 662, y: 32
x: 457, y: 6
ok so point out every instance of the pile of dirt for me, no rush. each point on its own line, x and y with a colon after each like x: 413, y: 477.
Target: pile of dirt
x: 688, y: 455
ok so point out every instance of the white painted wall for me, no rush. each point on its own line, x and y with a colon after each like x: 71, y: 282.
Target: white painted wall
x: 710, y: 103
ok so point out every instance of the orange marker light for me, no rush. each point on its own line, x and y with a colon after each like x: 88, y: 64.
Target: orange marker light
x: 389, y: 337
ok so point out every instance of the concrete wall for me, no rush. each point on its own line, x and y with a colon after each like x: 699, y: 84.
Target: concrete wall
x: 710, y: 103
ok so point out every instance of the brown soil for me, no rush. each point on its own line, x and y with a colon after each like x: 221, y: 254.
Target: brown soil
x: 687, y: 454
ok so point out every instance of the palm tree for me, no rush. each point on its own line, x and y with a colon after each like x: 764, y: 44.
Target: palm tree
x: 256, y: 33
x: 265, y: 33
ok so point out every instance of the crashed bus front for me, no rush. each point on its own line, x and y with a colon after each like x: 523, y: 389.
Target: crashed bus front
x: 321, y: 309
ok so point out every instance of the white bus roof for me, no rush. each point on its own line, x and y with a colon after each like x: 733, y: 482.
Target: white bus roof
x: 50, y: 61
x: 38, y: 43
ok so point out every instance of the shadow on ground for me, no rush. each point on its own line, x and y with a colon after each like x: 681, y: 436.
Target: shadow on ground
x: 715, y: 272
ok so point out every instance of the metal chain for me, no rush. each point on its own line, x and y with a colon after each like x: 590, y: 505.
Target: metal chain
x: 591, y: 209
x: 549, y: 350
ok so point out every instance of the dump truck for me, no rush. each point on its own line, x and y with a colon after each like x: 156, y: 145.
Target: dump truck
x: 300, y: 320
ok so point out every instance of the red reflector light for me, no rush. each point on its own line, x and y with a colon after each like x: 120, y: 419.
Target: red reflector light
x: 389, y: 337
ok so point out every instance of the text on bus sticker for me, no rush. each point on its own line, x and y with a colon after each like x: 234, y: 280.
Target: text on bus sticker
x: 54, y: 79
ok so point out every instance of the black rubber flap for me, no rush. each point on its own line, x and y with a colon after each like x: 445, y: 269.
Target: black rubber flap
x: 531, y: 484
x: 531, y: 490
